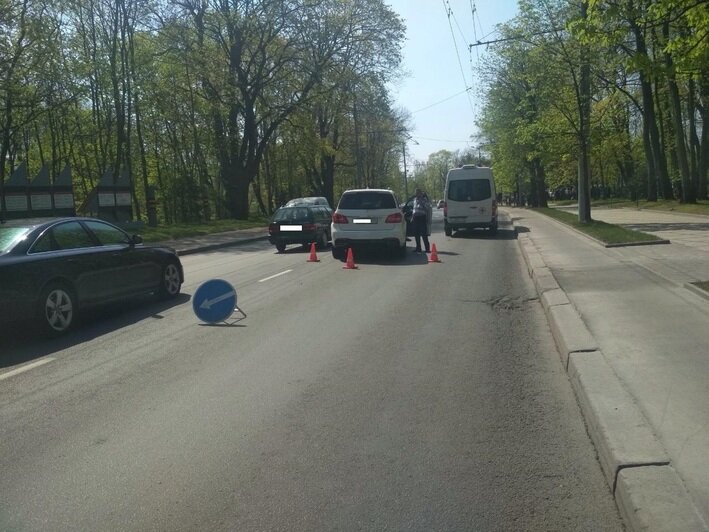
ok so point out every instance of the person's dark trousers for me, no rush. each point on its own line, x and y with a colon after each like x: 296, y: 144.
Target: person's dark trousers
x: 420, y: 231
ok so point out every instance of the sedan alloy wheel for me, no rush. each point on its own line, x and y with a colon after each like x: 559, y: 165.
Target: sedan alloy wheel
x: 58, y: 309
x: 170, y: 286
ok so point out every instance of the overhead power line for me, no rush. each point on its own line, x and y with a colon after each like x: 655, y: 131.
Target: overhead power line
x: 516, y: 37
x: 442, y: 101
x: 449, y: 12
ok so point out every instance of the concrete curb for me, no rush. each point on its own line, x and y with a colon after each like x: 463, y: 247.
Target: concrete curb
x: 654, y: 498
x: 648, y: 492
x: 622, y: 436
x: 696, y: 290
x: 219, y: 245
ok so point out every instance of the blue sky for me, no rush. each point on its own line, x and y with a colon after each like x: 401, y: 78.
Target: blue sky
x: 433, y: 90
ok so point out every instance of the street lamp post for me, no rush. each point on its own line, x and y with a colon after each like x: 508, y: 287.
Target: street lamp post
x: 406, y: 180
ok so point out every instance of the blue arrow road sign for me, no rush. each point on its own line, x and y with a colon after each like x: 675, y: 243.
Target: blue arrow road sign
x: 214, y: 301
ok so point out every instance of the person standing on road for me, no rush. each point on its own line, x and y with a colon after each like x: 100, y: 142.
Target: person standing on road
x: 419, y: 219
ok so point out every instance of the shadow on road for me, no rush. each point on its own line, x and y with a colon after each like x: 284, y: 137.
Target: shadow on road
x: 19, y: 342
x: 484, y: 234
x: 655, y: 227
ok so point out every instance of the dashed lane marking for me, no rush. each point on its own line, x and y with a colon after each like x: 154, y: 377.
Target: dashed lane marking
x: 25, y: 368
x: 274, y: 276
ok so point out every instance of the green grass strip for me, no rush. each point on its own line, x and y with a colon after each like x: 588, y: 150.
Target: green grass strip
x: 606, y: 233
x: 701, y: 207
x: 184, y: 230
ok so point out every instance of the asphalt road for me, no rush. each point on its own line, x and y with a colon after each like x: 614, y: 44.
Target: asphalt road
x: 398, y: 396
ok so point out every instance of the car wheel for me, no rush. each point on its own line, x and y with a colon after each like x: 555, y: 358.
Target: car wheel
x: 170, y: 281
x: 338, y: 252
x: 281, y: 247
x: 322, y: 243
x: 57, y: 309
x: 448, y: 231
x: 493, y: 229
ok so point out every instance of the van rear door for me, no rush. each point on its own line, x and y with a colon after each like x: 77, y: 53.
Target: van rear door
x: 469, y: 198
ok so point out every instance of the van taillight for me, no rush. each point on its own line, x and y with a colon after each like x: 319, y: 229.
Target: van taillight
x: 338, y: 218
x: 494, y: 208
x: 393, y: 218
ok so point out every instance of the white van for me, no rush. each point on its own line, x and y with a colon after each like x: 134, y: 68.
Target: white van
x: 469, y: 199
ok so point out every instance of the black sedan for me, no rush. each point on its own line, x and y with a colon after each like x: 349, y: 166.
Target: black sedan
x: 51, y: 269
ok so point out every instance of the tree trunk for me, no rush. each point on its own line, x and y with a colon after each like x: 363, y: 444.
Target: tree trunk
x: 537, y: 191
x: 666, y: 133
x: 694, y: 144
x: 584, y: 139
x: 688, y: 187
x: 704, y: 144
x: 649, y: 120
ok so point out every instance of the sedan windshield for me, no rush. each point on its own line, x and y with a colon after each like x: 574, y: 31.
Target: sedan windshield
x: 9, y: 236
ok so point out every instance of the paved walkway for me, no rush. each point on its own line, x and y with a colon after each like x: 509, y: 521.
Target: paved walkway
x: 197, y: 244
x: 688, y: 229
x: 635, y: 341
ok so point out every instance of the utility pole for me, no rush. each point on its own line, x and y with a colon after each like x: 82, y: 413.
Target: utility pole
x: 358, y: 161
x: 406, y: 181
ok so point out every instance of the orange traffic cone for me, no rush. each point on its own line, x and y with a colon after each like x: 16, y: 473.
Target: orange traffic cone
x: 349, y: 265
x: 434, y: 254
x: 313, y: 256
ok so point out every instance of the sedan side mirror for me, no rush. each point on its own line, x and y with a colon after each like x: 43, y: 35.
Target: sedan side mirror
x: 135, y: 240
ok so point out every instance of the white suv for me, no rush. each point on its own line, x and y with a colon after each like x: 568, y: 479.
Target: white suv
x: 368, y: 218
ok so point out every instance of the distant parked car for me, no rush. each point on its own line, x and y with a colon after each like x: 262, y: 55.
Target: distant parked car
x: 311, y: 200
x: 368, y: 218
x: 53, y: 269
x: 302, y: 224
x: 441, y: 204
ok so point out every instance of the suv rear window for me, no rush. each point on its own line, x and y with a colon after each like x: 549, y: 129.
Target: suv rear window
x: 469, y: 190
x: 367, y: 200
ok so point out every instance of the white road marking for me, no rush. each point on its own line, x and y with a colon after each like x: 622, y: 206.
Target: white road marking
x: 25, y: 368
x: 274, y: 276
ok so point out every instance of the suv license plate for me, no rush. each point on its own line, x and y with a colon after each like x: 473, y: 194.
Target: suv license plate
x: 362, y: 221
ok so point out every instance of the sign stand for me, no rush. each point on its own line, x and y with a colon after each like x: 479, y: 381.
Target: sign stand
x: 238, y: 319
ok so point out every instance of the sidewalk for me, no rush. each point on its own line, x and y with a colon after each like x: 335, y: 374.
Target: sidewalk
x: 198, y: 244
x: 635, y: 342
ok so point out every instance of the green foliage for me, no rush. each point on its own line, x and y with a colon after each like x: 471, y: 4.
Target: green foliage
x: 240, y: 104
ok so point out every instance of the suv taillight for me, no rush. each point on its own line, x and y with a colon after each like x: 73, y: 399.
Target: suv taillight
x: 338, y: 218
x: 394, y: 218
x: 308, y: 227
x: 272, y: 228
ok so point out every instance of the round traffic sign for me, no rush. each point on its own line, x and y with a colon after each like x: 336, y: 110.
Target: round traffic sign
x: 214, y: 301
